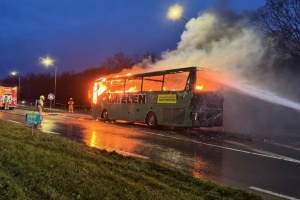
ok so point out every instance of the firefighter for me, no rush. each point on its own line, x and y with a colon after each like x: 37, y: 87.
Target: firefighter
x: 71, y: 105
x: 6, y: 102
x: 40, y: 105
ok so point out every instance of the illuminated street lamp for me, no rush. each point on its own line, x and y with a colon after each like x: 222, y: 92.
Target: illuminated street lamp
x: 175, y: 12
x: 48, y: 62
x: 14, y: 73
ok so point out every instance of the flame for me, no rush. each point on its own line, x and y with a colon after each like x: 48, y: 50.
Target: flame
x: 166, y: 82
x: 132, y: 89
x: 199, y: 87
x: 99, y: 88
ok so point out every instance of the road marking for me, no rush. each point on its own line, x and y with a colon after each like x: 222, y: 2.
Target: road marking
x: 232, y: 149
x: 287, y: 146
x: 14, y: 121
x: 273, y: 193
x: 258, y: 150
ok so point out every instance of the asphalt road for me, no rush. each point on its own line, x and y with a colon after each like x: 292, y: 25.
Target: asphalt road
x: 269, y: 167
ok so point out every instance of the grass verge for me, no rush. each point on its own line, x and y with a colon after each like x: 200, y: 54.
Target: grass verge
x: 46, y: 166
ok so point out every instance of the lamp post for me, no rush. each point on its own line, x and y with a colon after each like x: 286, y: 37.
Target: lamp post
x: 14, y: 73
x: 175, y: 12
x: 48, y: 62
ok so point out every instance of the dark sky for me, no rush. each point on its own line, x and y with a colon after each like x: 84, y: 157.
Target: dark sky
x: 80, y: 34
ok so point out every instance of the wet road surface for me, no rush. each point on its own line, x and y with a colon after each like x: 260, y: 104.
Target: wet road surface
x: 244, y: 162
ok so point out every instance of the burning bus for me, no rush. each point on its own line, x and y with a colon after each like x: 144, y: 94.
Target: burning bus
x: 184, y: 97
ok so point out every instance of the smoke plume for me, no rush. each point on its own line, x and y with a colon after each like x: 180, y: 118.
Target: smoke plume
x: 217, y: 42
x: 225, y: 42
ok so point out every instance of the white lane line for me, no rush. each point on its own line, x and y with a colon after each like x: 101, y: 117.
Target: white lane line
x: 286, y: 146
x: 14, y: 121
x: 259, y: 150
x: 273, y: 193
x: 232, y: 149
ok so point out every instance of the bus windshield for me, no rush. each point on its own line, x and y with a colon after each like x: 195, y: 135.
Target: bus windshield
x: 207, y: 82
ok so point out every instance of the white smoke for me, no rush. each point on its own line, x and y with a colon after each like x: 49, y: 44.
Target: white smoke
x: 224, y: 43
x: 214, y: 43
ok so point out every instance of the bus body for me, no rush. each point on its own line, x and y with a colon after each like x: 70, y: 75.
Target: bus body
x: 178, y: 97
x: 11, y: 93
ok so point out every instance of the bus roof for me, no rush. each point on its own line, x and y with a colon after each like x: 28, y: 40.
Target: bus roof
x: 155, y: 73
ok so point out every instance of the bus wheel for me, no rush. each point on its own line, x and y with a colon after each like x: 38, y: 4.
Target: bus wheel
x: 104, y: 115
x: 151, y: 120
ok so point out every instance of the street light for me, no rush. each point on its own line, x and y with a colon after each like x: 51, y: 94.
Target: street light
x: 14, y: 73
x: 48, y: 62
x: 175, y: 12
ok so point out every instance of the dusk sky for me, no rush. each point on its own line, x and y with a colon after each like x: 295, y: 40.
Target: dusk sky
x: 80, y: 34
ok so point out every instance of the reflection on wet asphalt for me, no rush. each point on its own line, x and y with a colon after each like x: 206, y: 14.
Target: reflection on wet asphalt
x: 71, y: 131
x: 135, y: 140
x: 180, y: 148
x: 209, y: 154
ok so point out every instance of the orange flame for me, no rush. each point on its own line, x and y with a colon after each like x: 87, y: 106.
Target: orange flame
x: 199, y: 87
x: 132, y: 89
x: 99, y: 88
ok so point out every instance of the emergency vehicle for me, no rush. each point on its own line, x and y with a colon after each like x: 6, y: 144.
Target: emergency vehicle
x: 11, y: 93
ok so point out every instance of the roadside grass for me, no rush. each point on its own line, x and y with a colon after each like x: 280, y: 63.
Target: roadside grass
x: 46, y: 166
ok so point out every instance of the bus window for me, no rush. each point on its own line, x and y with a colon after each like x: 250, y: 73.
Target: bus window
x: 152, y: 83
x: 133, y: 85
x: 207, y: 81
x: 115, y: 85
x: 176, y: 81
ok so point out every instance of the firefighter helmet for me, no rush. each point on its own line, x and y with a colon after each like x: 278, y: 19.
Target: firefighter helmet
x: 42, y: 97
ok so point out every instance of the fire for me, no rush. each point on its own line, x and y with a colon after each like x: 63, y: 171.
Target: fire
x: 99, y: 88
x: 206, y: 81
x: 199, y: 87
x: 132, y: 89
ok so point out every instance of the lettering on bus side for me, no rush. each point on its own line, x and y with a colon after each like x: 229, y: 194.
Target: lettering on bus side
x: 134, y: 98
x: 166, y: 98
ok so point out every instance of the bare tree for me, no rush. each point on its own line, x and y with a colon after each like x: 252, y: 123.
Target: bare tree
x: 121, y: 61
x: 151, y: 56
x: 280, y: 19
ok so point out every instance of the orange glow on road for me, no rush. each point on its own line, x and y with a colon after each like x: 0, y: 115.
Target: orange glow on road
x: 93, y: 139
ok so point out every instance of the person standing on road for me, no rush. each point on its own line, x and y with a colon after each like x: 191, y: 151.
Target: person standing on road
x: 40, y: 105
x: 6, y: 102
x: 71, y: 105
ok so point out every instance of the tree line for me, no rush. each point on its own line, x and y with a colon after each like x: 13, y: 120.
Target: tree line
x: 70, y: 84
